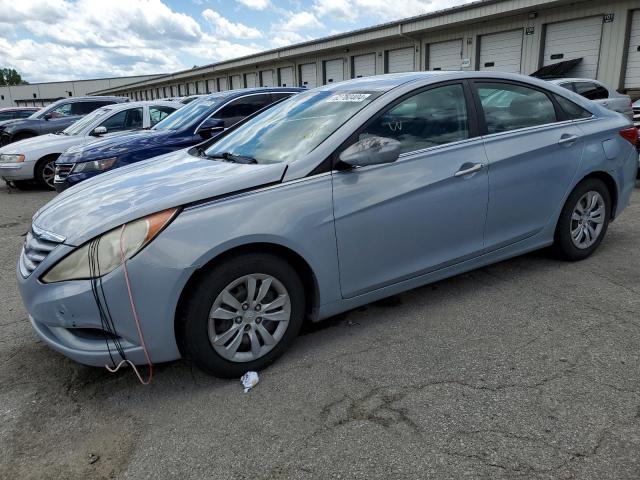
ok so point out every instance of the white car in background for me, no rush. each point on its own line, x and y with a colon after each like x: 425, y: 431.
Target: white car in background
x: 599, y: 93
x: 34, y: 158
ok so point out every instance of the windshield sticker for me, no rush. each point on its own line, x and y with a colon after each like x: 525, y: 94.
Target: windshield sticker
x: 349, y: 97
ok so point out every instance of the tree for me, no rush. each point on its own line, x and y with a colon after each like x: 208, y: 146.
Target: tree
x: 8, y: 76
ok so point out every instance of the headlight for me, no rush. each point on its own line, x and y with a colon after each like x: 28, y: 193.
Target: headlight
x: 102, y: 254
x: 94, y: 166
x: 11, y: 158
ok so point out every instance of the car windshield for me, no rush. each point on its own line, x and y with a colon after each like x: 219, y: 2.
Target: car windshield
x: 189, y: 114
x: 292, y: 128
x: 77, y: 127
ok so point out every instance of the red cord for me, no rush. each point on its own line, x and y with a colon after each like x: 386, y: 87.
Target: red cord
x: 135, y: 317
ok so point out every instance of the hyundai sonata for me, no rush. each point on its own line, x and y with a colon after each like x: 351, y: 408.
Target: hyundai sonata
x: 332, y: 199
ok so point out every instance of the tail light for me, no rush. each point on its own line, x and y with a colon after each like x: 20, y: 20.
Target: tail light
x: 631, y: 135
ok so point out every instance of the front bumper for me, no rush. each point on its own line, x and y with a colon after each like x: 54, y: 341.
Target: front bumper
x: 65, y: 315
x: 16, y: 171
x: 62, y: 183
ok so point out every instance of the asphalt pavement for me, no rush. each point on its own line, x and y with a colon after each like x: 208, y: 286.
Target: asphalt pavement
x: 525, y: 369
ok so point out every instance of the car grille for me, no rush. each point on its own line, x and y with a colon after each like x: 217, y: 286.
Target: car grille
x: 63, y: 170
x: 36, y: 248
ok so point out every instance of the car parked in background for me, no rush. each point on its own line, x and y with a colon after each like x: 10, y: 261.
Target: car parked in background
x: 34, y: 158
x: 335, y: 198
x: 636, y: 113
x: 14, y: 113
x: 192, y: 124
x: 599, y: 93
x: 53, y: 118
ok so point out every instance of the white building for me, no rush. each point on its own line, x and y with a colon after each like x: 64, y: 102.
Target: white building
x: 502, y: 35
x: 40, y: 94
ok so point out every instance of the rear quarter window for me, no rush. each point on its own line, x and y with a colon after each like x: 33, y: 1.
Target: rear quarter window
x: 572, y: 110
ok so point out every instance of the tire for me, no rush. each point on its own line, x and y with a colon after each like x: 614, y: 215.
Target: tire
x: 236, y: 326
x: 45, y: 170
x: 592, y: 224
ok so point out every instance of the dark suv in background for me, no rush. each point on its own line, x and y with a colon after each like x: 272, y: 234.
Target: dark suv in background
x: 13, y: 113
x: 52, y: 118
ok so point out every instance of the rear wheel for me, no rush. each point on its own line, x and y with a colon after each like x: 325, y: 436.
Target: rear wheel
x: 46, y: 172
x: 584, y: 220
x: 242, y: 315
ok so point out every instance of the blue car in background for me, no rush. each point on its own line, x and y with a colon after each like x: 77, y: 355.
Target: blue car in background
x: 198, y: 121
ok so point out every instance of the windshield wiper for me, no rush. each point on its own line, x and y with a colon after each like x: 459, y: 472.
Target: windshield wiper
x: 230, y: 157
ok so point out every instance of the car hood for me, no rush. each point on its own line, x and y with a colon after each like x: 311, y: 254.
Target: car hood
x: 124, y: 194
x: 116, y: 145
x: 42, y: 141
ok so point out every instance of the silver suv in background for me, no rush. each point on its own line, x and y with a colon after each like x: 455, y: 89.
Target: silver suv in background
x: 599, y: 93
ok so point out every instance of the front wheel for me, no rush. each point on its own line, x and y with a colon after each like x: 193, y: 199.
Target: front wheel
x: 584, y: 220
x: 46, y: 172
x: 242, y: 315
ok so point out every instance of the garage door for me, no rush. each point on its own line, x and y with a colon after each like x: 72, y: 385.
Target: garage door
x: 251, y: 80
x: 308, y: 75
x: 222, y: 84
x: 401, y: 60
x: 364, y: 65
x: 445, y: 55
x: 632, y: 76
x: 236, y: 82
x: 334, y: 71
x: 286, y: 77
x: 574, y: 39
x: 266, y: 78
x: 501, y: 51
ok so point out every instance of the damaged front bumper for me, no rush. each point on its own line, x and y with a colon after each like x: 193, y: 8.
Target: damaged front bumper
x: 66, y: 317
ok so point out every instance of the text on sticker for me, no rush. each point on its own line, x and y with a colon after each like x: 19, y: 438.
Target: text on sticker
x: 348, y: 97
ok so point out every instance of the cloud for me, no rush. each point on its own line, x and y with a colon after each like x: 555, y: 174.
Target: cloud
x: 299, y: 21
x: 93, y: 38
x: 230, y: 29
x: 337, y: 9
x: 255, y: 4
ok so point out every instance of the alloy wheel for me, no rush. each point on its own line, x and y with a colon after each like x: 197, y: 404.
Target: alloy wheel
x: 249, y: 317
x: 49, y: 173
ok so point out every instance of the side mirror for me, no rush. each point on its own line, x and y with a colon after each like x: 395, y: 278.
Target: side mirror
x: 99, y: 131
x: 48, y: 116
x: 209, y: 126
x: 371, y: 151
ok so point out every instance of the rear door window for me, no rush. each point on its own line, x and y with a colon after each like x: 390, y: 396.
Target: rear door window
x: 242, y: 107
x: 590, y: 90
x: 159, y: 112
x: 509, y: 107
x: 82, y: 108
x: 124, y: 120
x: 434, y: 117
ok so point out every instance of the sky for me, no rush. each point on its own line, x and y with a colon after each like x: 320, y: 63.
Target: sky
x: 49, y: 40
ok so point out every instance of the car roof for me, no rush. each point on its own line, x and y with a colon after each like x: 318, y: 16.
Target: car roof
x: 11, y: 109
x: 564, y: 80
x: 127, y: 105
x: 390, y: 81
x: 247, y: 91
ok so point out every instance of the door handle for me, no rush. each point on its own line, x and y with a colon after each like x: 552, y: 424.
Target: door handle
x: 567, y: 139
x: 476, y: 167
